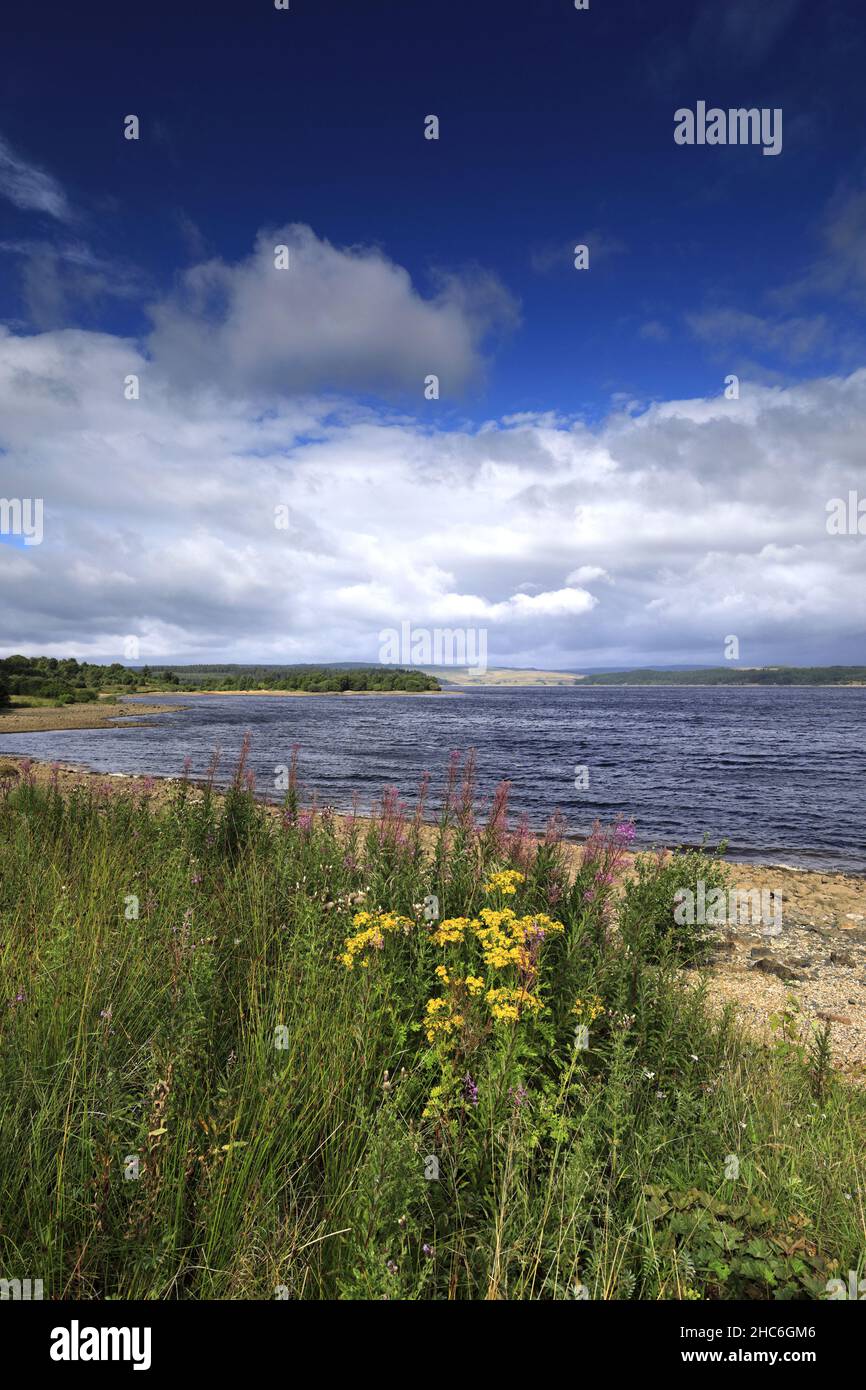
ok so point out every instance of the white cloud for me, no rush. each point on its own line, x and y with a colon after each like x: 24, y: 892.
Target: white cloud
x: 335, y: 319
x: 651, y: 537
x: 29, y: 187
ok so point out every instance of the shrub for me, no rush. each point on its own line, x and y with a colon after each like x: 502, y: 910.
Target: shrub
x: 654, y: 919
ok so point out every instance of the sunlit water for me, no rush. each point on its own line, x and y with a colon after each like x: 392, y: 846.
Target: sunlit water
x: 779, y: 773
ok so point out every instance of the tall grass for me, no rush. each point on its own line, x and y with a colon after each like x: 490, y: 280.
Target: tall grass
x: 198, y: 1099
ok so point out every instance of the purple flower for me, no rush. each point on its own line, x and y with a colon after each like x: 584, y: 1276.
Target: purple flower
x: 518, y: 1095
x: 625, y: 830
x: 470, y: 1089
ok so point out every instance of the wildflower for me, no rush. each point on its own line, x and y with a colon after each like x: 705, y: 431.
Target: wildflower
x: 372, y: 928
x: 451, y: 931
x: 470, y: 1089
x: 588, y: 1010
x: 428, y: 1251
x: 518, y: 1095
x: 504, y: 882
x: 442, y: 1021
x: 506, y: 1005
x: 391, y: 1267
x: 509, y: 940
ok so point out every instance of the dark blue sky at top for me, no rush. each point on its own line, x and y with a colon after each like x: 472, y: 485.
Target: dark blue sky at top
x: 554, y: 124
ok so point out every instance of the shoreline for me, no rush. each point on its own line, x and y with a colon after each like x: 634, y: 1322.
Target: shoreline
x: 314, y: 694
x: 95, y: 716
x: 24, y: 719
x: 100, y: 714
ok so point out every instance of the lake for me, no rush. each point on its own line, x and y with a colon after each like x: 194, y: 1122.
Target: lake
x: 778, y: 772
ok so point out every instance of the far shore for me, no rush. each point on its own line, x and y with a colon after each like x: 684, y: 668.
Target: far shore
x: 104, y: 714
x: 316, y: 694
x: 21, y: 719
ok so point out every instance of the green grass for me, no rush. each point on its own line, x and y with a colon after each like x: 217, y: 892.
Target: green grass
x: 171, y: 991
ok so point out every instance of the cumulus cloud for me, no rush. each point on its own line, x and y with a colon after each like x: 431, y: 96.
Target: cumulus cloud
x: 336, y: 319
x: 650, y: 537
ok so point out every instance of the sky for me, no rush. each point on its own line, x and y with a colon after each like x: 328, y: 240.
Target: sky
x: 586, y: 485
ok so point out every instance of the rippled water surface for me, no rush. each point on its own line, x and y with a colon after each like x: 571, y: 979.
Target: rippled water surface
x: 779, y: 773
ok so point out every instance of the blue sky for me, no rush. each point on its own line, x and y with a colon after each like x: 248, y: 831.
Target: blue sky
x: 556, y: 128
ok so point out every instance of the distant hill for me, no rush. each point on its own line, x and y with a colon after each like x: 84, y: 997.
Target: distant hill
x: 738, y: 675
x: 501, y: 675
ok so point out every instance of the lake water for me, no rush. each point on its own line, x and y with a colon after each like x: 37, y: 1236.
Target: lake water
x: 780, y: 773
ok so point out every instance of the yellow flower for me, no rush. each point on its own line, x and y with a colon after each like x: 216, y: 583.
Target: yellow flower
x: 474, y: 984
x: 504, y: 937
x: 588, y: 1010
x: 451, y: 931
x: 372, y: 927
x: 506, y: 1005
x: 505, y: 881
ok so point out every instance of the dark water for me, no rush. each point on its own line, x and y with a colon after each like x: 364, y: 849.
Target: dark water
x: 779, y: 773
